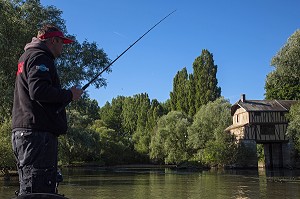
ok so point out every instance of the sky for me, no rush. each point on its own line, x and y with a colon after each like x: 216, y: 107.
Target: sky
x: 242, y: 35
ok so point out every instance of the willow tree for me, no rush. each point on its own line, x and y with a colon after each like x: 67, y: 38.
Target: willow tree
x: 284, y: 81
x: 206, y: 138
x: 169, y: 141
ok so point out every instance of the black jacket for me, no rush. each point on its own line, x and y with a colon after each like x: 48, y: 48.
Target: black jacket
x: 38, y: 92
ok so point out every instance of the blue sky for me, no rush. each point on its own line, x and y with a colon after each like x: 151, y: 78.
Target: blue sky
x: 242, y: 35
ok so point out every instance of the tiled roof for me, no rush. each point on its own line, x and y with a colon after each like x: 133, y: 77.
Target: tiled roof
x: 263, y: 105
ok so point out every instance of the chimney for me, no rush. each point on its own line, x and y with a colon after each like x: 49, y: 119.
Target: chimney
x: 243, y: 97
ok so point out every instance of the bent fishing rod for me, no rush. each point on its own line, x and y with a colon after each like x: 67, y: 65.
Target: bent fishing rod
x: 111, y: 63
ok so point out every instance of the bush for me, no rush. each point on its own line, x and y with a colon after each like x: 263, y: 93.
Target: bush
x: 7, y: 159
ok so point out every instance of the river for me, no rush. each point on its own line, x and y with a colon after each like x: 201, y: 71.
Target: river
x: 143, y: 183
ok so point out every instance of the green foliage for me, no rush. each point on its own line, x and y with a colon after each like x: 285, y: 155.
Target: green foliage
x: 284, y: 82
x: 260, y: 152
x: 86, y: 107
x: 6, y: 153
x: 19, y: 22
x: 218, y: 152
x: 205, y: 81
x: 179, y: 96
x: 111, y: 114
x: 80, y: 143
x: 142, y: 136
x: 166, y: 107
x: 114, y: 147
x: 192, y: 91
x: 80, y: 63
x: 131, y: 120
x: 129, y: 115
x: 191, y: 95
x: 206, y: 136
x: 168, y: 144
x: 293, y: 130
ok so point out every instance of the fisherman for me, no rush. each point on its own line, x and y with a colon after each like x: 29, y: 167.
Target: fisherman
x: 35, y: 123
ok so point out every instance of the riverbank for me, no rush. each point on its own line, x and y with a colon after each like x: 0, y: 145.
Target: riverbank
x: 182, y: 166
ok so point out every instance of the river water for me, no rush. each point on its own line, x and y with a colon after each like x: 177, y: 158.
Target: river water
x: 94, y: 183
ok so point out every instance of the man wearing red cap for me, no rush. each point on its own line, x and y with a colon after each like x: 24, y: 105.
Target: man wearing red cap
x: 35, y: 123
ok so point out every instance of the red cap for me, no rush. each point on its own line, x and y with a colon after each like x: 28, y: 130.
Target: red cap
x: 56, y: 34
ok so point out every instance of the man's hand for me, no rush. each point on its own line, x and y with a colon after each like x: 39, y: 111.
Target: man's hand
x: 76, y: 92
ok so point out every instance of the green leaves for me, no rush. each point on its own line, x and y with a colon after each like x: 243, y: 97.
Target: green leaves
x: 293, y: 130
x: 80, y: 63
x: 168, y: 144
x: 20, y: 21
x: 284, y: 82
x: 206, y: 136
x: 192, y: 91
x: 133, y: 118
x: 6, y: 154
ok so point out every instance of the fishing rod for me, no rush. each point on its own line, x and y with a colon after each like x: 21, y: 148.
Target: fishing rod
x: 111, y: 63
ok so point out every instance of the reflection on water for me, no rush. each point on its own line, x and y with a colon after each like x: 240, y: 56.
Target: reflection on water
x: 145, y: 183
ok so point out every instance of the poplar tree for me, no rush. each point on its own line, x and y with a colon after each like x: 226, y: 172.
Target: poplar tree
x: 191, y: 96
x: 204, y: 80
x: 111, y: 114
x: 180, y: 93
x: 141, y: 136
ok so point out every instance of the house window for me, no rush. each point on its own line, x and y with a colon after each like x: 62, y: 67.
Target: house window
x: 237, y: 118
x: 267, y: 129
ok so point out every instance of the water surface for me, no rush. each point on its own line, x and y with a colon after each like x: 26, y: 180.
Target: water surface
x: 92, y: 183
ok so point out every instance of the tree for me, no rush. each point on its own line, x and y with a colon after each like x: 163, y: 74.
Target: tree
x: 284, y: 82
x: 204, y: 80
x: 87, y: 107
x: 129, y: 116
x: 19, y: 22
x: 6, y: 154
x: 192, y: 91
x: 111, y: 114
x: 206, y: 136
x: 168, y: 143
x: 191, y: 96
x: 142, y: 135
x: 293, y: 129
x: 80, y: 143
x: 166, y: 106
x: 180, y: 95
x: 79, y: 63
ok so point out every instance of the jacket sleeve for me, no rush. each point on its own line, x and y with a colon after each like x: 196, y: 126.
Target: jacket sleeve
x: 43, y: 82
